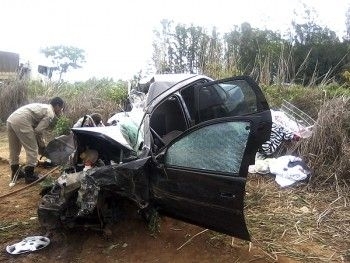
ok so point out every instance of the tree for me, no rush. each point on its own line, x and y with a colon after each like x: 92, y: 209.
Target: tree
x: 64, y: 57
x: 195, y: 35
x: 163, y: 51
x: 347, y: 24
x: 318, y: 54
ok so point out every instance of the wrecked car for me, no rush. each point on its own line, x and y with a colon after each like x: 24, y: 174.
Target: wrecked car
x: 185, y: 155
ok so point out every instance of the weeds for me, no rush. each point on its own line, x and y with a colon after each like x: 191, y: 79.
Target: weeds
x: 15, y: 229
x: 63, y: 126
x: 154, y: 223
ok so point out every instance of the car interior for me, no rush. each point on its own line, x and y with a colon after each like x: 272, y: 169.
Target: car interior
x: 167, y: 121
x: 210, y: 105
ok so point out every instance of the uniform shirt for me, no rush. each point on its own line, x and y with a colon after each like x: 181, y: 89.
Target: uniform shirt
x: 33, y: 117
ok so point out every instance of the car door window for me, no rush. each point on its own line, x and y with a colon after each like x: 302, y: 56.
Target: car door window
x: 233, y: 97
x: 218, y: 147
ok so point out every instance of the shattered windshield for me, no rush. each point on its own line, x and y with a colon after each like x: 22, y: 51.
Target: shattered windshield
x: 218, y: 147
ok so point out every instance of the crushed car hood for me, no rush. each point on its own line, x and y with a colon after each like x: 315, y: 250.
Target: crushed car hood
x: 110, y: 134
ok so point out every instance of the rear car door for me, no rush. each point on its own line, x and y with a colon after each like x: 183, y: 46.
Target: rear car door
x: 201, y: 175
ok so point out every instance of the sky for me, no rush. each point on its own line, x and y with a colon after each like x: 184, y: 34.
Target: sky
x: 117, y: 35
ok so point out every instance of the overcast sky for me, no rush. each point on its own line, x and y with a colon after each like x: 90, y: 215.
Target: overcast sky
x: 117, y: 35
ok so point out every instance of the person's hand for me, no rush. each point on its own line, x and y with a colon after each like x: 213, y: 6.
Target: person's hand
x: 42, y: 150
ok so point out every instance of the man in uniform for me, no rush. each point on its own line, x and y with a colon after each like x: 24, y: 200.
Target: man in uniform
x: 25, y: 127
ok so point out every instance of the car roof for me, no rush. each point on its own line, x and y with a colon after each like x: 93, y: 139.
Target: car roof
x: 162, y: 82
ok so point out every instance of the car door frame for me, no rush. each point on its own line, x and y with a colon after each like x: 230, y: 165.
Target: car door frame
x: 262, y: 104
x: 262, y: 114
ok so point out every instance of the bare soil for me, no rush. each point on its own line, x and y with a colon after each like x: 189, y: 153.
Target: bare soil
x: 130, y: 240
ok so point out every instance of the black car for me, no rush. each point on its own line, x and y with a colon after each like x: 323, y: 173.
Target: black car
x: 186, y: 155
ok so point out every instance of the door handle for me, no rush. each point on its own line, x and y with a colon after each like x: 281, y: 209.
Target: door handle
x: 227, y: 195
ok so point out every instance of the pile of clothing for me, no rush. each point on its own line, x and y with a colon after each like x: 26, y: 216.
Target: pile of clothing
x: 288, y: 169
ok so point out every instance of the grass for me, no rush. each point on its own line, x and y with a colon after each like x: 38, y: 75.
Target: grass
x: 154, y: 223
x: 16, y: 229
x: 303, y: 224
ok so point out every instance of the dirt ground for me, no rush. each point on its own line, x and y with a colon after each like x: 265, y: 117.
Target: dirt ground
x: 130, y: 241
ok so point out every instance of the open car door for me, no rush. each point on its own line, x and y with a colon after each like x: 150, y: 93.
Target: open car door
x: 235, y: 96
x: 203, y: 173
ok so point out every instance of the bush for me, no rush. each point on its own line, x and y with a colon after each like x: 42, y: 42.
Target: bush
x: 93, y: 96
x: 117, y: 93
x: 328, y: 149
x: 62, y: 126
x: 306, y: 99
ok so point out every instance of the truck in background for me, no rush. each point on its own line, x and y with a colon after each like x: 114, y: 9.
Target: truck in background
x: 11, y: 68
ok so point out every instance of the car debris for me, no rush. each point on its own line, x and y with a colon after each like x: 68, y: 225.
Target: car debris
x: 28, y: 244
x: 184, y: 152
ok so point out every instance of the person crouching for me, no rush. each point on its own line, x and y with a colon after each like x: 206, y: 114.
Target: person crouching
x: 25, y: 127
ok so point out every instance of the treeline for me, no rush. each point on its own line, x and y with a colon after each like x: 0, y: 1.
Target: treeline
x: 312, y: 55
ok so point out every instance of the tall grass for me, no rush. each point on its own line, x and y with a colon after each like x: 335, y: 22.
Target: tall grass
x: 13, y: 94
x: 93, y: 96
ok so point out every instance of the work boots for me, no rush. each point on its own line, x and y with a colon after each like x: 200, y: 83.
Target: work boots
x: 14, y: 169
x: 30, y: 176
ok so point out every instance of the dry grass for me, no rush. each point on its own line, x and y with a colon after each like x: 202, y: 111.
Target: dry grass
x: 299, y: 223
x: 77, y: 107
x: 80, y: 99
x: 13, y: 94
x: 310, y: 223
x: 86, y: 99
x: 327, y: 152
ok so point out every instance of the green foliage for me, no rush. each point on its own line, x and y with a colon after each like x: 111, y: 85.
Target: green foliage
x: 117, y: 92
x: 47, y: 183
x: 346, y: 77
x: 62, y: 126
x: 181, y: 48
x: 336, y: 91
x: 102, y: 96
x: 39, y: 89
x: 311, y: 55
x: 308, y: 100
x: 154, y: 223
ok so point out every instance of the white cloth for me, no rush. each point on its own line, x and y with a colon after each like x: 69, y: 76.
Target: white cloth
x: 288, y: 170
